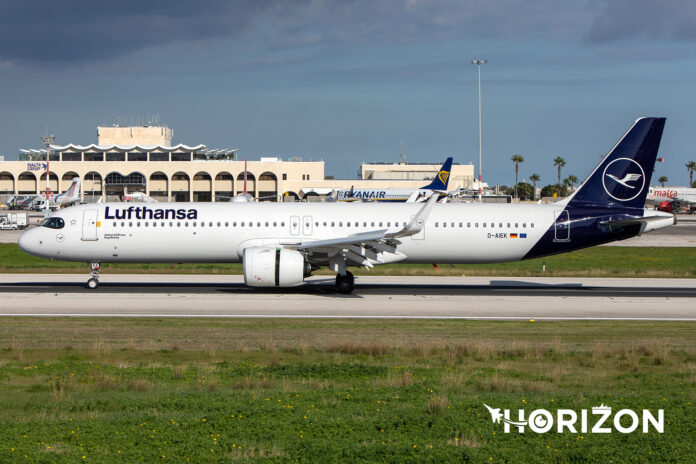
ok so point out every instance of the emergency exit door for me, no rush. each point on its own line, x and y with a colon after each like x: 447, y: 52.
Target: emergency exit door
x: 562, y: 227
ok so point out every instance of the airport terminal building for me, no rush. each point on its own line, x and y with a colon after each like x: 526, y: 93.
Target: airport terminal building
x: 143, y: 159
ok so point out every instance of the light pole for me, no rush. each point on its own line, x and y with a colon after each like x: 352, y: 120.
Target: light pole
x: 479, y: 62
x: 47, y: 141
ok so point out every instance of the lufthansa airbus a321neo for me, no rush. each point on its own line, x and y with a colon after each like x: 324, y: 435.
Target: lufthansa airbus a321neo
x: 281, y: 244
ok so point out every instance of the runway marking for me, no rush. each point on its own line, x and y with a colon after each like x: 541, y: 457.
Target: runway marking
x: 324, y: 316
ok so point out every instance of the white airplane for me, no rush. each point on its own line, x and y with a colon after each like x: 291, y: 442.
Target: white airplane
x: 67, y: 198
x: 408, y: 195
x: 282, y: 243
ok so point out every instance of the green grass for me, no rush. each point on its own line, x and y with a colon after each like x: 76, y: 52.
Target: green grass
x: 210, y: 390
x: 592, y: 262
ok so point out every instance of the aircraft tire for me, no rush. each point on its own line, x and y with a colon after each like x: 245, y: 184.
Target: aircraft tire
x: 92, y: 283
x: 345, y: 284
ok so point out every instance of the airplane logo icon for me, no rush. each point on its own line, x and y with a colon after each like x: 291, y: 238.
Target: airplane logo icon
x: 627, y: 178
x: 443, y: 175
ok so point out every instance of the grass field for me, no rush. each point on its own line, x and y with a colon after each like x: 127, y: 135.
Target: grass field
x: 592, y: 262
x: 199, y: 390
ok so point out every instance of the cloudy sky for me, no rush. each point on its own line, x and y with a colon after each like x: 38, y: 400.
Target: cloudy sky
x: 345, y: 81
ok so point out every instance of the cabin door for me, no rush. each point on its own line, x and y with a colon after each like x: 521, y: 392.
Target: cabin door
x: 89, y: 224
x: 562, y: 226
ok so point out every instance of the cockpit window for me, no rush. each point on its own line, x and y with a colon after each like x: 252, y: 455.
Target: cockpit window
x: 53, y: 223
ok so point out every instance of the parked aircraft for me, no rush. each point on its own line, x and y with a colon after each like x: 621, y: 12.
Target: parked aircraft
x: 67, y: 198
x: 282, y: 243
x: 409, y: 195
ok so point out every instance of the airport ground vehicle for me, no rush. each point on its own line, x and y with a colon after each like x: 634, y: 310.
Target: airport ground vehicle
x: 281, y: 244
x: 13, y: 221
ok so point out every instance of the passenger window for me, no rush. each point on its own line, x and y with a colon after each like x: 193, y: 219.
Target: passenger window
x: 468, y: 224
x: 258, y: 224
x: 531, y: 225
x: 324, y: 223
x: 516, y: 224
x: 484, y: 224
x: 388, y: 224
x: 114, y: 223
x: 210, y: 224
x: 227, y: 224
x: 524, y: 225
x: 461, y: 225
x: 138, y: 224
x: 171, y: 224
x: 444, y: 224
x: 500, y: 225
x: 282, y: 224
x: 436, y: 224
x: 178, y: 224
x: 357, y: 224
x: 373, y: 224
x: 453, y: 224
x: 275, y: 224
x: 380, y: 223
x: 130, y: 224
x: 348, y: 224
x: 364, y: 224
x: 186, y: 223
x: 476, y: 225
x: 340, y: 223
x: 162, y: 224
x: 154, y: 224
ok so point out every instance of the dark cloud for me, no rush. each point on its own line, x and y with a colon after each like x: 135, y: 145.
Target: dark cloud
x: 630, y: 19
x: 70, y: 31
x: 80, y: 30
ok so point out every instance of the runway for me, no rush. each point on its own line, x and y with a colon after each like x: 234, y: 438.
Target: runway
x: 504, y: 298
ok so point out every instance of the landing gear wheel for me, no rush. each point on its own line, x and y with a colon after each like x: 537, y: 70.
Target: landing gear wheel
x: 345, y: 284
x: 93, y: 281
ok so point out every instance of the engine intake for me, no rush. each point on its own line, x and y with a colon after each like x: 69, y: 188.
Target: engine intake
x: 273, y: 267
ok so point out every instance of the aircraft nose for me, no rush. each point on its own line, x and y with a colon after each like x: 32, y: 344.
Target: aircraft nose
x: 29, y: 242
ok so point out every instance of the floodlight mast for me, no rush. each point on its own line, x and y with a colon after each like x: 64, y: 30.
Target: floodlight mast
x: 47, y: 141
x: 479, y: 61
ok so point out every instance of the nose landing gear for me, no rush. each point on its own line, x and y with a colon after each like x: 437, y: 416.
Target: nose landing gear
x: 345, y: 283
x: 93, y: 281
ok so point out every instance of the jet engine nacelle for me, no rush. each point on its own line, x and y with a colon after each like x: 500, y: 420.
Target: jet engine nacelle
x: 273, y: 267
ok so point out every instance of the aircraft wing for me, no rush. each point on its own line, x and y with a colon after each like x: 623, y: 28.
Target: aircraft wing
x: 373, y: 247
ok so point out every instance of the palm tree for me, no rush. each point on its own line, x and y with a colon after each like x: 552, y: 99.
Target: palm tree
x: 517, y: 159
x: 691, y: 166
x: 662, y: 180
x: 534, y: 178
x: 560, y: 162
x: 570, y: 181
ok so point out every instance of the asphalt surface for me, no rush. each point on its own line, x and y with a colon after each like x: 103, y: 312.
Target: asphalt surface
x: 374, y: 297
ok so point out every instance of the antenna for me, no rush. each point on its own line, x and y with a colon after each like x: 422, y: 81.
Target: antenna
x: 403, y: 151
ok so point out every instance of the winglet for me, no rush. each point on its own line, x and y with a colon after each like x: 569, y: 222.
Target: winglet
x: 418, y: 221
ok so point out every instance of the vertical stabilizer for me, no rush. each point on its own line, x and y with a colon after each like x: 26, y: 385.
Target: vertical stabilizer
x: 622, y: 178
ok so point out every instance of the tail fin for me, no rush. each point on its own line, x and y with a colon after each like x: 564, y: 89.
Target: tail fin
x: 442, y: 178
x: 71, y: 195
x: 623, y: 176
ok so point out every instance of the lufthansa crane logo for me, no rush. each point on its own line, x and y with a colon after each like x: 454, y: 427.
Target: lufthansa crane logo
x: 443, y: 176
x: 623, y: 179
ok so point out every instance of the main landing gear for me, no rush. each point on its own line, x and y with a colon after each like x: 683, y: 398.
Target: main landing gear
x: 345, y: 283
x: 93, y: 281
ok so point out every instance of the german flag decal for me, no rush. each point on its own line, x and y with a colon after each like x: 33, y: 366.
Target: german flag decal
x: 513, y: 235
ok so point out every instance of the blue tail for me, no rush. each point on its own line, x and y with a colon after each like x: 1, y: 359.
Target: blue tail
x: 623, y: 177
x: 442, y: 178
